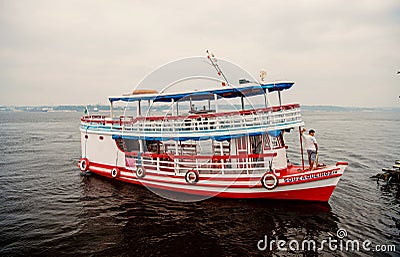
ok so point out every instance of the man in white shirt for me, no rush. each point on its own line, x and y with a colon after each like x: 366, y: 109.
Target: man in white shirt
x: 310, y: 144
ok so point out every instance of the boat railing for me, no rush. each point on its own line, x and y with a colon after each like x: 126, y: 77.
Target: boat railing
x: 272, y: 116
x: 227, y: 164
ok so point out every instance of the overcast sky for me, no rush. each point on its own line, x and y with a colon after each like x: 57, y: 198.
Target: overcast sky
x: 79, y: 52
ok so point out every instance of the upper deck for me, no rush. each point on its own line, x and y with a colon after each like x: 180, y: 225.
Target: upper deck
x: 219, y: 126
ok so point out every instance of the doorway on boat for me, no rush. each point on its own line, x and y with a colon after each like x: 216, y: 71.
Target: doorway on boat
x: 131, y: 148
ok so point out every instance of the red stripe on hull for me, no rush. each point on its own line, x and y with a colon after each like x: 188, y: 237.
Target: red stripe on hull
x: 230, y: 179
x: 320, y: 194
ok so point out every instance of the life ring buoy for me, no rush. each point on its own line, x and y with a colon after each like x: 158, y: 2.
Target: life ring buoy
x: 115, y: 173
x: 267, y: 179
x: 84, y: 164
x: 192, y: 177
x: 140, y: 172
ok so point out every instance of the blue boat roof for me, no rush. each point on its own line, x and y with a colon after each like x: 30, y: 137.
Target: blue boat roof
x: 230, y: 92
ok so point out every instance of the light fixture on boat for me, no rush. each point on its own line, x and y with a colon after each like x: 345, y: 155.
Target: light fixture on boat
x: 263, y: 74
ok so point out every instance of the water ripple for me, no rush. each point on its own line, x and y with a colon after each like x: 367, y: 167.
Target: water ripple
x: 49, y: 209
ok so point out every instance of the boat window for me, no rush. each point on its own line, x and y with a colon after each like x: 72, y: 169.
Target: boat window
x: 128, y: 145
x: 281, y: 140
x: 277, y: 142
x: 274, y: 142
x: 267, y: 142
x: 188, y: 148
x: 256, y: 144
x: 222, y: 147
x: 153, y: 146
x: 169, y: 147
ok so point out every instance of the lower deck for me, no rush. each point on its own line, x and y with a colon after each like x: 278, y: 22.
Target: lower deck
x: 245, y: 167
x: 247, y: 155
x: 316, y: 185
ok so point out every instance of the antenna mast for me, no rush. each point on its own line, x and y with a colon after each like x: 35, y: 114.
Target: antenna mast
x: 214, y: 63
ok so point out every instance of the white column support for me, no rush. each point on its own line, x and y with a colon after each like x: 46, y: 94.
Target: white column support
x: 216, y: 102
x: 176, y: 161
x: 112, y: 109
x: 176, y: 148
x: 248, y: 152
x: 140, y: 145
x: 172, y: 114
x: 279, y: 97
x: 265, y: 99
x: 139, y: 111
x: 221, y: 148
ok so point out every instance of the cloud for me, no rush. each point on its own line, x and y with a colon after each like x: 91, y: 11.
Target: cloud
x: 62, y: 52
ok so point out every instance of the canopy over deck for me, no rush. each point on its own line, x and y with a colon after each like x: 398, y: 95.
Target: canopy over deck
x: 207, y: 94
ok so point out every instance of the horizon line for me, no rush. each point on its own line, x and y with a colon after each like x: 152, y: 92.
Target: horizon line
x: 305, y: 105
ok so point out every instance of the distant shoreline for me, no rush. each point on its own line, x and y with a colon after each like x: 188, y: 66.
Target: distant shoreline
x: 106, y: 108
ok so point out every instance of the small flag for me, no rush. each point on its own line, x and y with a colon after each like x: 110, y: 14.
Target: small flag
x: 223, y: 84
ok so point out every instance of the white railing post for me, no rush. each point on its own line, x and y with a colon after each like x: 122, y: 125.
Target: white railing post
x: 216, y: 102
x: 112, y: 109
x: 176, y: 161
x: 172, y: 113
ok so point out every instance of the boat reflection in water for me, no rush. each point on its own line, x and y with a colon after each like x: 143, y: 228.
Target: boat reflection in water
x: 120, y: 218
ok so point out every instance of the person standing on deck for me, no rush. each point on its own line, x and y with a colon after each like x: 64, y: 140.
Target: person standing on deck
x: 310, y: 144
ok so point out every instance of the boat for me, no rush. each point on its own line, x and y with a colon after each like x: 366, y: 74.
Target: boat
x: 208, y: 151
x: 390, y: 175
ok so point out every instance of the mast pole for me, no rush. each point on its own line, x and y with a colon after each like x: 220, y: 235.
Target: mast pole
x: 280, y: 99
x: 301, y: 148
x: 214, y: 63
x: 139, y: 109
x: 265, y: 99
